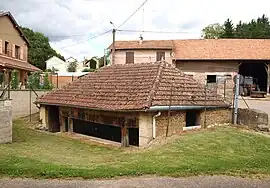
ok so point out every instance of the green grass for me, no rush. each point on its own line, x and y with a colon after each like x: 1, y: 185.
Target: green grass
x: 224, y: 150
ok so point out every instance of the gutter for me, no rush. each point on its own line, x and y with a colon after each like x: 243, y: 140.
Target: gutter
x: 166, y: 108
x: 154, y: 124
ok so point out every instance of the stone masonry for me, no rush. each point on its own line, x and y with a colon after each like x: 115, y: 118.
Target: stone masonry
x: 5, y: 121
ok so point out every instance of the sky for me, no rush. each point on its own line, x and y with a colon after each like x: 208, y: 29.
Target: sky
x: 70, y: 24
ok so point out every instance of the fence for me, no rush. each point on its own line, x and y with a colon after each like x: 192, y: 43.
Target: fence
x: 23, y: 101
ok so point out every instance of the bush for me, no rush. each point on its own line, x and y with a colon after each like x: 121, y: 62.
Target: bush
x: 72, y: 66
x: 14, y: 80
x: 46, y: 83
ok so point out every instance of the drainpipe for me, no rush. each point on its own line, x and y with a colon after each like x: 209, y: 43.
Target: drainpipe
x: 154, y: 124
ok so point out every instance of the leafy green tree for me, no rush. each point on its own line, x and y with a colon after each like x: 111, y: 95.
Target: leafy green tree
x: 34, y: 80
x: 213, y: 31
x: 72, y: 66
x: 39, y: 48
x: 229, y: 31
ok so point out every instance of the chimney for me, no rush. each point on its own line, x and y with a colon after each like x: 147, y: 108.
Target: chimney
x: 141, y: 39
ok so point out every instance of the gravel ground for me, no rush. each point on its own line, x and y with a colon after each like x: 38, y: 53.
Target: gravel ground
x: 141, y: 182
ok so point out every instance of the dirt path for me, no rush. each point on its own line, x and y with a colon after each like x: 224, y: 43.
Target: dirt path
x: 141, y: 182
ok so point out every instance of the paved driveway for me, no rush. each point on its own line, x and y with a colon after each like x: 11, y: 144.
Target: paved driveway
x: 141, y: 182
x: 260, y: 104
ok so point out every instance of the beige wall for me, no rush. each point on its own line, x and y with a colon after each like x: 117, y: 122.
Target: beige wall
x: 141, y: 56
x: 43, y: 116
x: 21, y: 102
x: 145, y: 128
x: 10, y: 33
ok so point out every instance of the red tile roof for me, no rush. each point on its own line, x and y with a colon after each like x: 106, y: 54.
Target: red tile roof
x: 132, y: 87
x: 17, y: 64
x: 207, y: 49
x: 147, y: 44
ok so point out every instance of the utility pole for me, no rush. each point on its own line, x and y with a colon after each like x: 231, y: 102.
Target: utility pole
x: 113, y: 46
x: 236, y: 98
x: 104, y: 59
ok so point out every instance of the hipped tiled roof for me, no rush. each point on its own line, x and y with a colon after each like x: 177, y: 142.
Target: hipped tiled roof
x: 133, y: 87
x: 17, y: 64
x: 207, y: 49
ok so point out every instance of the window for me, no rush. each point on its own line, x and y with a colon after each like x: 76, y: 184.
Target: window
x: 160, y: 56
x: 129, y: 57
x: 211, y: 79
x: 17, y: 52
x: 6, y: 47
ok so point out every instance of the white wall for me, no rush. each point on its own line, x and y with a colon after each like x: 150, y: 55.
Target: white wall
x: 141, y: 56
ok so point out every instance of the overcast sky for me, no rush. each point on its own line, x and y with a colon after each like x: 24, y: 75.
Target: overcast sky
x: 67, y: 22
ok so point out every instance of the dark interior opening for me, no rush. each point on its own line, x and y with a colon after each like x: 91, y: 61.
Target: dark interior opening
x: 102, y: 131
x: 257, y: 71
x: 53, y: 117
x: 192, y: 118
x: 211, y: 79
x: 133, y: 134
x: 66, y: 124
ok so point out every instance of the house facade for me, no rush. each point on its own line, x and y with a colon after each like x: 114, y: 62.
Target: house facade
x: 132, y: 104
x: 13, y: 51
x: 215, y: 61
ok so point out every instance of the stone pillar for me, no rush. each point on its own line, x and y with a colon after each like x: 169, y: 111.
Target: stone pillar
x: 5, y: 121
x: 124, y: 135
x: 70, y: 125
x: 62, y: 124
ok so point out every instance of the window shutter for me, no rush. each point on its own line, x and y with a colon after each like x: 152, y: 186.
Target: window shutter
x: 13, y: 50
x: 129, y: 57
x: 1, y: 46
x: 21, y: 54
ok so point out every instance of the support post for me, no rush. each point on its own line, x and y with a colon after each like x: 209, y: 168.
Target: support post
x: 30, y: 104
x: 113, y: 47
x: 236, y: 99
x: 62, y: 122
x: 70, y: 125
x: 125, y: 135
x: 268, y: 77
x: 104, y: 59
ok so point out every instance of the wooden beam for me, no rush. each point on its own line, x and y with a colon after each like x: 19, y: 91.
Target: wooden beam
x: 124, y: 135
x: 268, y: 77
x: 70, y: 125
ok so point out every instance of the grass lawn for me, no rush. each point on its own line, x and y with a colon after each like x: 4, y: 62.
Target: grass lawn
x: 224, y: 150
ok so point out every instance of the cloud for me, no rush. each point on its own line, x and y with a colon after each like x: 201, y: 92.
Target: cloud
x: 68, y: 22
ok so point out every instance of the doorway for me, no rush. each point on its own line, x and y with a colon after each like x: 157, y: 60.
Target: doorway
x: 256, y: 72
x: 53, y: 117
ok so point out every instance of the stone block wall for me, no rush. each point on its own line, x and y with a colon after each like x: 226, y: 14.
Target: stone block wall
x: 177, y: 122
x: 216, y: 116
x: 252, y: 117
x: 5, y: 121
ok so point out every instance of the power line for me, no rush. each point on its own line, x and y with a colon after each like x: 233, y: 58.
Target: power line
x: 132, y: 14
x: 148, y: 31
x: 96, y: 36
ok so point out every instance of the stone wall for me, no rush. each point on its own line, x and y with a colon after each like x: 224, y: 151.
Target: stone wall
x: 216, y: 116
x: 5, y: 121
x: 21, y: 102
x: 252, y: 117
x: 177, y: 122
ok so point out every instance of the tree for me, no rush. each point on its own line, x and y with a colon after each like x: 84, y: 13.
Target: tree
x: 213, y: 31
x: 34, y: 80
x: 39, y: 48
x: 46, y: 83
x: 72, y: 66
x: 229, y: 31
